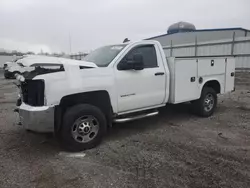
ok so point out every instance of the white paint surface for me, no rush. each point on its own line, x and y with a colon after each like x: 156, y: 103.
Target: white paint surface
x: 144, y: 89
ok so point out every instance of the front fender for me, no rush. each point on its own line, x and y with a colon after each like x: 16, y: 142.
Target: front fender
x: 75, y: 80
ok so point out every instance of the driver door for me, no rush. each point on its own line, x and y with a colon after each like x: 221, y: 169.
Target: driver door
x: 144, y: 88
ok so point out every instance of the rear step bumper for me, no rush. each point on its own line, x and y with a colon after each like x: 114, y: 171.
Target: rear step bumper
x: 122, y: 120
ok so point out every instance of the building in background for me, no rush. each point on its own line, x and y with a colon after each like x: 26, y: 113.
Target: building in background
x: 183, y: 33
x: 78, y: 56
x: 184, y: 40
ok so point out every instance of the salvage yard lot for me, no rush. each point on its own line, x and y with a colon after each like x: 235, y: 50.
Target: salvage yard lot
x: 173, y: 149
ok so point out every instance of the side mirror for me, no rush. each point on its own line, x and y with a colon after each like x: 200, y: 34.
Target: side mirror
x: 138, y: 62
x: 135, y: 64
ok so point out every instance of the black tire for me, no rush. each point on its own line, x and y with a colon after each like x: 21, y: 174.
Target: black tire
x: 69, y: 119
x: 6, y: 74
x: 6, y: 77
x: 199, y: 106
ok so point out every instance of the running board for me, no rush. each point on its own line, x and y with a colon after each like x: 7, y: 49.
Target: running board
x: 122, y: 120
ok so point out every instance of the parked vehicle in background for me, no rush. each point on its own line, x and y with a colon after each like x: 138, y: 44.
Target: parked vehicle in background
x: 9, y: 72
x: 8, y: 64
x: 117, y: 83
x: 5, y: 65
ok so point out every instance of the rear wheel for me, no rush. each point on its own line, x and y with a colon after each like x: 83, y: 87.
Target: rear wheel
x: 206, y: 105
x: 83, y: 127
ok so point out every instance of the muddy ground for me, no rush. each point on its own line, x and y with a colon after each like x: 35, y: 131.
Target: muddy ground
x: 173, y: 149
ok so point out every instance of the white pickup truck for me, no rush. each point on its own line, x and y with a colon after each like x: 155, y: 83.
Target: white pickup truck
x: 117, y: 83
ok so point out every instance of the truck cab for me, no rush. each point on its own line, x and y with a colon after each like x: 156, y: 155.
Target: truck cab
x: 118, y: 83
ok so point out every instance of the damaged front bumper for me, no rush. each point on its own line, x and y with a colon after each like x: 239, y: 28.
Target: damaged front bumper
x: 37, y: 119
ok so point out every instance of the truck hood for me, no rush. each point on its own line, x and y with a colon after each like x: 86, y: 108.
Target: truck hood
x: 67, y: 62
x: 60, y: 65
x: 46, y: 60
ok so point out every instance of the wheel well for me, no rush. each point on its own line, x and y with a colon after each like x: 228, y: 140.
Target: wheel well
x: 99, y: 99
x: 213, y: 84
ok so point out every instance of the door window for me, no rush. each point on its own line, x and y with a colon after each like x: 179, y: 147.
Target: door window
x: 148, y: 53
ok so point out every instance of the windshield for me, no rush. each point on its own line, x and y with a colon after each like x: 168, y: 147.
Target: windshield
x: 103, y: 56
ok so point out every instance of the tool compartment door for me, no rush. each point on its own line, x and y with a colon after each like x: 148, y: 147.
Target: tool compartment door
x: 208, y: 66
x: 186, y: 80
x: 230, y: 74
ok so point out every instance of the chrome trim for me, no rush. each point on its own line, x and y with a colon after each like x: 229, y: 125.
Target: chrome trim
x: 122, y: 120
x: 37, y: 119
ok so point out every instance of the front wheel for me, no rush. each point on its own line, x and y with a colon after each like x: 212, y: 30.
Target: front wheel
x: 206, y: 105
x: 83, y: 127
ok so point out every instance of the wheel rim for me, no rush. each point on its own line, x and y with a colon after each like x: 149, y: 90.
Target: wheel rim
x: 85, y: 129
x: 209, y: 102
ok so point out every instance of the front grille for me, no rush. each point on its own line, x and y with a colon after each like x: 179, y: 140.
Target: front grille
x: 33, y: 92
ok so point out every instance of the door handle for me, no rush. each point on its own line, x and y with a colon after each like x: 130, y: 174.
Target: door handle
x: 159, y: 73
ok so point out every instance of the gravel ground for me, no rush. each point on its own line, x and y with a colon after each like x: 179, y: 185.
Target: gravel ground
x: 174, y: 149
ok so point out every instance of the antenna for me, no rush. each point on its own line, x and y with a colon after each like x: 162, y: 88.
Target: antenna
x: 70, y: 43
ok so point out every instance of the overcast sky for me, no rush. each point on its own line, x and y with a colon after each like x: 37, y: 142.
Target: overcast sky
x: 46, y: 24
